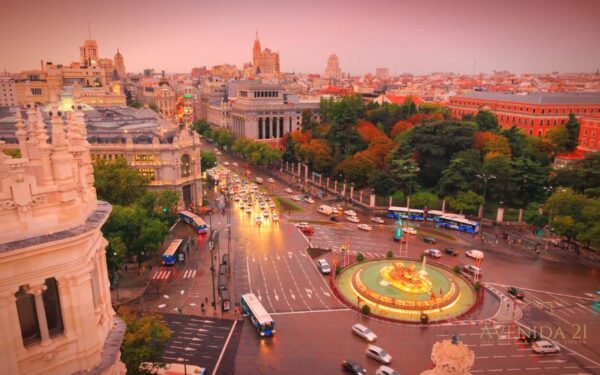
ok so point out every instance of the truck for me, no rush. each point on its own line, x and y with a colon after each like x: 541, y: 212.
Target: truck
x: 325, y: 209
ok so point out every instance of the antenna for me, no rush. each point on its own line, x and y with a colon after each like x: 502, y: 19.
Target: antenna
x: 89, y: 31
x: 474, y: 65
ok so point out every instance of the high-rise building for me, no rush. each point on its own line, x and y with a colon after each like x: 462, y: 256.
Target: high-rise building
x: 8, y: 93
x: 106, y: 64
x: 120, y: 65
x: 333, y: 71
x: 88, y: 53
x: 56, y: 315
x: 382, y: 73
x: 264, y: 61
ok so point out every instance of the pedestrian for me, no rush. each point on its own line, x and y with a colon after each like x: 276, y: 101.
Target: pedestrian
x: 206, y: 299
x: 125, y: 268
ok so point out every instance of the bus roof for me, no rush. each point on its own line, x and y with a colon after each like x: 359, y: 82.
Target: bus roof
x: 435, y: 212
x: 197, y: 219
x: 259, y: 312
x: 173, y: 246
x: 404, y: 209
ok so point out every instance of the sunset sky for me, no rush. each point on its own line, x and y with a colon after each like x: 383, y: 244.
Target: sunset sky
x: 405, y: 36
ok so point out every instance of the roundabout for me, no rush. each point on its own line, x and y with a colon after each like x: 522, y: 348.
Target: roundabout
x: 406, y: 290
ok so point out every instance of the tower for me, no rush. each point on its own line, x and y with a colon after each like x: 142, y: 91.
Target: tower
x: 119, y: 65
x: 56, y: 315
x: 256, y: 51
x: 88, y: 53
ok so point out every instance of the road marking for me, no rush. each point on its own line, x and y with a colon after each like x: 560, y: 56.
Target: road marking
x: 587, y: 309
x: 248, y: 272
x: 543, y: 291
x: 276, y: 296
x: 224, y: 347
x: 326, y: 293
x: 185, y: 274
x: 290, y: 254
x: 308, y: 292
x: 277, y: 255
x: 292, y: 295
x: 311, y: 311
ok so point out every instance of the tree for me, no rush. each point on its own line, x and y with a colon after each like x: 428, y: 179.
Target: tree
x: 424, y: 199
x: 499, y: 187
x: 558, y: 137
x: 527, y: 181
x: 118, y: 183
x: 588, y: 172
x: 145, y: 340
x: 400, y: 127
x: 200, y: 126
x: 160, y: 204
x: 382, y: 183
x: 487, y: 121
x: 14, y: 153
x: 125, y: 222
x: 360, y: 257
x: 533, y: 215
x: 357, y: 168
x: 465, y: 201
x: 404, y: 173
x: 461, y: 173
x: 208, y: 160
x: 317, y: 154
x: 151, y: 235
x: 516, y: 140
x: 290, y: 148
x: 573, y: 131
x: 307, y: 120
x: 368, y: 131
x: 115, y: 254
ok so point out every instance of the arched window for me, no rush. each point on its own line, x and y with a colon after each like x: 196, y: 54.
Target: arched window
x: 185, y: 166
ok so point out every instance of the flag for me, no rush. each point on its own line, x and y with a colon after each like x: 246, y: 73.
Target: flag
x: 432, y: 295
x: 441, y: 293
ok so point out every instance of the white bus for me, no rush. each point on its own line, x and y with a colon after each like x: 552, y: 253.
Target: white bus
x: 259, y: 317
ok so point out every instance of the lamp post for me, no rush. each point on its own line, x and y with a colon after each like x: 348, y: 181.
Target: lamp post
x: 116, y: 275
x: 485, y: 177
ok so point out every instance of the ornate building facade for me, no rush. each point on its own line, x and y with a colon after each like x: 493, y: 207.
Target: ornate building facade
x: 333, y: 71
x: 55, y: 307
x: 119, y: 63
x: 265, y: 61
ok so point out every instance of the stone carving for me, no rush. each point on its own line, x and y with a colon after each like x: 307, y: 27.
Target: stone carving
x: 451, y: 357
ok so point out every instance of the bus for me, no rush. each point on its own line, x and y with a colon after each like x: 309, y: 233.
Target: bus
x: 170, y: 255
x: 259, y: 317
x: 433, y: 215
x: 459, y: 223
x: 194, y: 220
x: 405, y: 213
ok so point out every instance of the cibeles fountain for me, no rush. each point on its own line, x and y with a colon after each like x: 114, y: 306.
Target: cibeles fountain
x: 406, y: 290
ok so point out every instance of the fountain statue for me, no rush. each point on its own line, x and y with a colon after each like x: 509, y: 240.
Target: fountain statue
x: 406, y: 278
x: 451, y: 357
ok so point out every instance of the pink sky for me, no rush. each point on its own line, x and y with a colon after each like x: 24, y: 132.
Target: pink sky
x: 405, y: 36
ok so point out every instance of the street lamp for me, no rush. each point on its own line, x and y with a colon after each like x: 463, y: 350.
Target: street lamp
x: 116, y: 275
x: 485, y: 177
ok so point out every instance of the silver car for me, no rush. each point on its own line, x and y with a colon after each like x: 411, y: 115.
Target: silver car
x: 379, y: 354
x: 364, y: 332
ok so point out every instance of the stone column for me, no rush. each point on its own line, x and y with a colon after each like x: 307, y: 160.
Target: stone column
x: 305, y: 173
x: 344, y: 190
x: 41, y: 313
x: 321, y: 179
x: 372, y: 200
x: 11, y: 344
x: 335, y: 186
x: 327, y: 182
x: 444, y: 205
x: 390, y: 204
x: 351, y: 192
x: 360, y: 196
x: 520, y: 215
x: 500, y: 215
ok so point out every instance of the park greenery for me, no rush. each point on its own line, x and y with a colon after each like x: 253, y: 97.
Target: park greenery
x: 140, y: 218
x: 145, y: 340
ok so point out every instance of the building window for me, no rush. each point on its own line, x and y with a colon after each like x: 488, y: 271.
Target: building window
x: 260, y: 128
x: 144, y: 157
x: 28, y: 322
x: 148, y: 173
x: 267, y: 128
x: 185, y: 166
x: 36, y: 91
x: 52, y: 308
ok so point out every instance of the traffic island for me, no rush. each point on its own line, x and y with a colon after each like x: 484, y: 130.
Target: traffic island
x: 406, y: 290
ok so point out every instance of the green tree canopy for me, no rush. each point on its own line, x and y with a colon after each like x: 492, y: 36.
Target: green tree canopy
x: 118, y: 183
x: 527, y: 181
x: 404, y: 174
x: 424, y: 199
x: 487, y: 121
x: 208, y: 160
x: 465, y: 201
x: 461, y: 173
x: 573, y: 132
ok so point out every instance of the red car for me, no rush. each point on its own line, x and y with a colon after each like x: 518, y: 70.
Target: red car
x: 307, y: 230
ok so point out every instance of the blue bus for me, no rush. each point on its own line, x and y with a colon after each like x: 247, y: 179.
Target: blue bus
x: 194, y: 220
x: 433, y: 215
x: 259, y: 317
x: 170, y: 255
x: 405, y: 213
x: 458, y: 223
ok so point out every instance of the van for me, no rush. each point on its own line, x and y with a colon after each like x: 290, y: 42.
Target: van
x: 470, y: 269
x: 325, y: 209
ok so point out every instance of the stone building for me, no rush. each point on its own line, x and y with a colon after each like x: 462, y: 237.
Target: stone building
x: 265, y: 61
x: 333, y: 71
x: 119, y: 63
x: 55, y: 306
x: 8, y: 93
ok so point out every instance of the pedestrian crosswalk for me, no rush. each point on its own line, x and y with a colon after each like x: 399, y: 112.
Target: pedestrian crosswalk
x: 367, y: 254
x: 187, y: 273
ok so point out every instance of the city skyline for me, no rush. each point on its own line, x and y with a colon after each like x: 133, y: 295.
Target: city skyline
x: 404, y: 37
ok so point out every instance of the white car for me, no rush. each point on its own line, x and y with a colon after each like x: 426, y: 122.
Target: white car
x: 545, y: 347
x: 270, y: 180
x: 309, y: 200
x: 242, y: 205
x: 258, y: 219
x: 352, y: 219
x: 377, y: 220
x: 296, y: 198
x: 271, y: 205
x: 248, y: 210
x: 410, y: 230
x: 235, y: 164
x: 349, y: 213
x: 385, y: 370
x: 379, y: 354
x: 435, y: 253
x: 302, y: 225
x: 226, y: 163
x: 323, y: 266
x: 475, y: 254
x: 365, y: 227
x: 288, y: 190
x: 266, y: 213
x: 364, y: 332
x: 219, y: 153
x: 275, y: 217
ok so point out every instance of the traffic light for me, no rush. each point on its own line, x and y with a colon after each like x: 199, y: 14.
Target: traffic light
x: 165, y: 208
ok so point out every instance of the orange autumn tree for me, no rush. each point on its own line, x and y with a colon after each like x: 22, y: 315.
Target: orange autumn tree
x: 400, y: 127
x: 368, y: 131
x: 317, y: 154
x: 357, y: 168
x: 491, y: 144
x: 379, y: 149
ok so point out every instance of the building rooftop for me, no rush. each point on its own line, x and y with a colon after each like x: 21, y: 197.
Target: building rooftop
x: 536, y: 98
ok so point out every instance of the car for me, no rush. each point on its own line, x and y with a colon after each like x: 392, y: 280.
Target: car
x: 266, y: 213
x: 471, y: 269
x: 242, y: 205
x: 219, y: 153
x: 259, y: 219
x: 516, y: 293
x: 545, y: 347
x: 302, y: 225
x: 172, y: 369
x: 271, y: 180
x: 288, y: 190
x: 275, y: 217
x: 323, y: 266
x: 271, y: 205
x: 352, y: 219
x: 450, y: 251
x: 385, y: 370
x: 475, y: 254
x: 248, y: 210
x: 435, y: 253
x: 365, y: 227
x: 226, y: 163
x: 296, y: 198
x: 333, y: 218
x: 309, y: 200
x: 378, y: 354
x: 364, y: 332
x: 353, y: 367
x: 235, y: 164
x: 307, y: 230
x: 429, y: 239
x: 349, y: 213
x: 377, y: 220
x: 410, y: 230
x: 530, y: 338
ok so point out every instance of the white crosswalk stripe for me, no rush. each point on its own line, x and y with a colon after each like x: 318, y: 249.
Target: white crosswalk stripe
x: 189, y: 274
x: 161, y: 275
